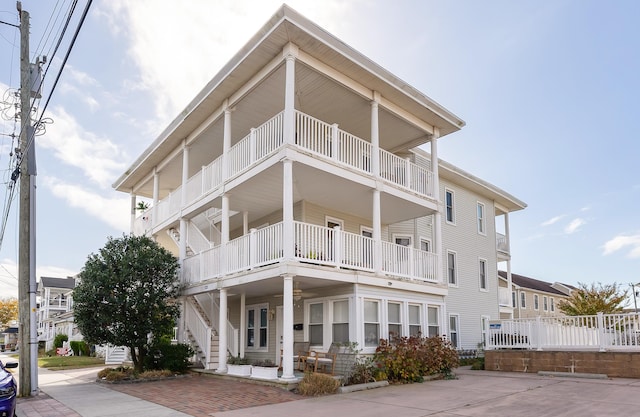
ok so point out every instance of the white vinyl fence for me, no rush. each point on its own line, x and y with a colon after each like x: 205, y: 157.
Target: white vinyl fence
x: 602, y: 332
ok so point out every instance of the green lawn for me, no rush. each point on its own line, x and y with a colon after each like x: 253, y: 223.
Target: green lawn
x: 56, y: 363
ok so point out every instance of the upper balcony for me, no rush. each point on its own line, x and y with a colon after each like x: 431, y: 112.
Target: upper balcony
x: 323, y: 141
x: 502, y: 245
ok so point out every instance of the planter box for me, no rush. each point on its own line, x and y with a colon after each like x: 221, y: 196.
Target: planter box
x: 263, y: 372
x: 239, y: 370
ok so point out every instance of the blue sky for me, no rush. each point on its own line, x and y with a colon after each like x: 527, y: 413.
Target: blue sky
x: 548, y: 89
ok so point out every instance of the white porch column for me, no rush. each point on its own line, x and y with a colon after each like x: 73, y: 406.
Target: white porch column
x: 437, y: 218
x: 506, y: 231
x: 222, y: 332
x: 224, y: 234
x: 375, y: 135
x: 226, y: 141
x: 510, y: 286
x: 132, y: 211
x: 287, y: 328
x: 287, y: 209
x: 290, y: 53
x: 243, y: 324
x: 156, y: 197
x: 185, y: 174
x: 377, y: 233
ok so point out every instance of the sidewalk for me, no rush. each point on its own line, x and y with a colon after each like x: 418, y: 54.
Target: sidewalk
x: 474, y: 393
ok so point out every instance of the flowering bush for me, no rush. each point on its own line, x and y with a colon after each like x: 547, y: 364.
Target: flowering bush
x: 409, y: 359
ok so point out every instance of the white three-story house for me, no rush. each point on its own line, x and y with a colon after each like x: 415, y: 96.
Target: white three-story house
x: 294, y: 196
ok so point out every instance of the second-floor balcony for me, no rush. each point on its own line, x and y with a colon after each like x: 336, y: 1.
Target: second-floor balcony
x: 322, y: 140
x: 312, y: 244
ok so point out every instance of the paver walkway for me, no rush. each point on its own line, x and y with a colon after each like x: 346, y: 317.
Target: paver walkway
x: 201, y: 395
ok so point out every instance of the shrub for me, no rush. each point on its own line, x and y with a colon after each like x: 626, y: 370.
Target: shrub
x: 314, y: 384
x: 155, y: 374
x: 409, y: 359
x: 164, y: 355
x: 363, y: 371
x: 478, y: 365
x: 80, y: 348
x: 237, y: 360
x: 59, y: 340
x: 117, y: 374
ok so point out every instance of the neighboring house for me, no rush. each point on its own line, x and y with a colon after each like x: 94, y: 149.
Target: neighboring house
x: 292, y: 191
x: 55, y: 310
x: 9, y: 339
x: 532, y: 297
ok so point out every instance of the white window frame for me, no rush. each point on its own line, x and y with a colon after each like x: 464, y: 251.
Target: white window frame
x: 456, y: 318
x: 455, y: 268
x: 430, y: 325
x: 453, y: 206
x: 484, y: 323
x: 514, y: 299
x: 523, y: 300
x: 482, y: 264
x: 323, y: 323
x: 552, y: 305
x: 366, y: 229
x: 536, y: 302
x: 333, y: 318
x: 365, y: 322
x: 339, y: 222
x: 481, y: 214
x: 414, y: 325
x: 428, y: 244
x: 545, y: 303
x: 399, y: 323
x: 257, y: 327
x: 397, y: 236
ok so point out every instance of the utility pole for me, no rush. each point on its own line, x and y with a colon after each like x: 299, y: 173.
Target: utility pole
x: 26, y: 246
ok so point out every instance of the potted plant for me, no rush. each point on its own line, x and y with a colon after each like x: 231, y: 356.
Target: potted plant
x: 238, y: 366
x: 265, y: 369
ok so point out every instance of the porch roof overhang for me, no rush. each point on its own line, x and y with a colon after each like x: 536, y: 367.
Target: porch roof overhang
x: 286, y: 26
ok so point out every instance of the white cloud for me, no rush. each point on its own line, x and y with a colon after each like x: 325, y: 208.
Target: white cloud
x: 574, y: 226
x: 111, y: 210
x: 9, y: 275
x: 620, y: 242
x: 552, y: 220
x: 100, y: 159
x: 178, y: 49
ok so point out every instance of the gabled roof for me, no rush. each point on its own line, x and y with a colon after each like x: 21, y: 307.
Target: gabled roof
x: 10, y: 330
x: 50, y: 282
x: 531, y: 283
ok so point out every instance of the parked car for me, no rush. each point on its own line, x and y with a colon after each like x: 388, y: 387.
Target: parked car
x: 8, y: 390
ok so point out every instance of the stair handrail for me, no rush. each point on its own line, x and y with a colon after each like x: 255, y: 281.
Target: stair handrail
x: 199, y: 329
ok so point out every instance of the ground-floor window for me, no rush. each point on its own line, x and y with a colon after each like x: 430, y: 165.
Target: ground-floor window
x: 341, y: 321
x: 415, y: 324
x: 454, y: 325
x: 433, y: 322
x: 393, y: 319
x: 257, y: 327
x: 371, y: 323
x: 316, y: 320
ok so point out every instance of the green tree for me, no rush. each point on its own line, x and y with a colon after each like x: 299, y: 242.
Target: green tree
x: 593, y: 299
x: 8, y: 310
x: 127, y: 293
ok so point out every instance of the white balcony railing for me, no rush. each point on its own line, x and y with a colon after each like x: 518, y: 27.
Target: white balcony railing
x: 313, y: 244
x: 601, y: 332
x: 502, y: 244
x: 314, y: 135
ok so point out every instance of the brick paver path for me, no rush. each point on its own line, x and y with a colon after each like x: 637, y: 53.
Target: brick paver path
x: 203, y: 396
x: 42, y: 405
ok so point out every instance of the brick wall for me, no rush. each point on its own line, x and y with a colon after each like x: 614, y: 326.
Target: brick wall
x: 613, y: 364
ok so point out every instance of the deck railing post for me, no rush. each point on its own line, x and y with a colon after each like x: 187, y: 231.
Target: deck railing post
x: 253, y: 248
x: 335, y: 142
x: 539, y: 332
x: 600, y: 325
x: 337, y: 246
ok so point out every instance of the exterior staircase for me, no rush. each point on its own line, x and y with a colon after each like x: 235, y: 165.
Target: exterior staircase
x: 201, y: 335
x: 210, y: 361
x: 175, y: 235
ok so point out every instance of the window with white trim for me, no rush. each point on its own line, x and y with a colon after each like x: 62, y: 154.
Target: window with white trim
x: 393, y: 319
x: 340, y: 321
x: 433, y: 322
x: 482, y: 270
x: 449, y: 206
x: 452, y: 273
x: 514, y: 300
x: 545, y: 303
x: 257, y: 327
x: 367, y: 246
x: 316, y: 321
x: 454, y: 325
x: 481, y: 220
x: 553, y: 307
x: 415, y: 324
x: 371, y: 323
x: 425, y: 245
x: 523, y: 300
x: 536, y: 302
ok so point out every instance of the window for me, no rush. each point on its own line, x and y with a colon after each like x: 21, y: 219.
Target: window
x: 402, y: 240
x: 432, y: 320
x: 393, y: 319
x: 536, y: 302
x: 371, y: 323
x: 257, y: 327
x: 513, y: 299
x: 367, y: 246
x: 483, y: 274
x: 523, y: 300
x: 451, y: 268
x: 341, y: 321
x: 316, y: 319
x: 545, y: 303
x: 425, y: 245
x: 449, y: 209
x: 553, y: 307
x: 415, y: 324
x: 453, y: 330
x: 481, y: 225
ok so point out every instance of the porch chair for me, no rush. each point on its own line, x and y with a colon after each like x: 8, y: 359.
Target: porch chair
x: 323, y: 360
x: 300, y: 350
